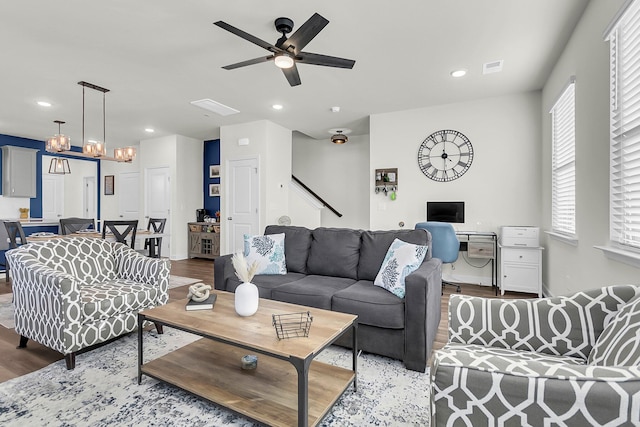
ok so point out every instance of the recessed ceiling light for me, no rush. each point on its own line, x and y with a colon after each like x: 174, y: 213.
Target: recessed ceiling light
x: 458, y: 73
x: 149, y: 130
x: 44, y: 104
x: 277, y: 107
x: 335, y: 109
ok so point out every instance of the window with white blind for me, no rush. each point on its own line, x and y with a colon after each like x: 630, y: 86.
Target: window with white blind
x: 624, y: 42
x: 563, y: 163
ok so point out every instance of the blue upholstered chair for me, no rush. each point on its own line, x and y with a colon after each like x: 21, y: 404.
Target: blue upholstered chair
x: 445, y: 243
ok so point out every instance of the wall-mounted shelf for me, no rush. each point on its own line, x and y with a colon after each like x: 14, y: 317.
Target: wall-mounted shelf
x: 386, y: 180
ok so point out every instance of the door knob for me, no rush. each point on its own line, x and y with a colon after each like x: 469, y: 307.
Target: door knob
x: 229, y: 218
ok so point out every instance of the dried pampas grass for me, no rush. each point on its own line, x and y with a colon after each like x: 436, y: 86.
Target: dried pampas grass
x: 244, y: 271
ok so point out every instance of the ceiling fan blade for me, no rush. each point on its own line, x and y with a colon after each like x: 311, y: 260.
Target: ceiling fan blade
x: 253, y: 39
x: 248, y: 62
x: 325, y: 60
x: 303, y: 35
x: 292, y: 75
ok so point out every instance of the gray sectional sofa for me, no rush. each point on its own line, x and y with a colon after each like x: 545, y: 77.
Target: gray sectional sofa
x: 334, y: 269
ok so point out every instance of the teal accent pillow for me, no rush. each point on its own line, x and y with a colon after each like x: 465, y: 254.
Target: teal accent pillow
x: 619, y: 342
x: 267, y: 251
x: 401, y: 260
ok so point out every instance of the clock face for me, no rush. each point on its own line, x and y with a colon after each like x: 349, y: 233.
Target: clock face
x: 445, y: 155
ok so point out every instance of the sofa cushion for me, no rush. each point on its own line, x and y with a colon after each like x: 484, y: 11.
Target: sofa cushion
x: 619, y: 342
x: 265, y: 283
x: 267, y: 252
x: 297, y: 241
x: 375, y: 245
x: 334, y: 252
x: 312, y: 291
x: 108, y: 299
x: 401, y: 260
x: 373, y: 305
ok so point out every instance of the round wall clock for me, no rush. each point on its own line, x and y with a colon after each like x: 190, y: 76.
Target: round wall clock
x: 445, y: 155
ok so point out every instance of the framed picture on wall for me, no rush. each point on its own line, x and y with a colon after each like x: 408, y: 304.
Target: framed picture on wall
x: 214, y: 190
x: 214, y: 171
x: 109, y: 185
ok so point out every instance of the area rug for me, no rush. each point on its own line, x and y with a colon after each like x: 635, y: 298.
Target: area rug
x: 103, y: 391
x: 6, y: 311
x: 176, y: 281
x: 6, y: 305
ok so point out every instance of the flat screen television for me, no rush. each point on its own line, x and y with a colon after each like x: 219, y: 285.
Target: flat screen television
x: 445, y: 212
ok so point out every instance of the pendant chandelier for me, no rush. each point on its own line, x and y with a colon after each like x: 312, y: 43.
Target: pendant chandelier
x: 90, y: 149
x: 59, y: 166
x: 95, y: 148
x: 58, y: 143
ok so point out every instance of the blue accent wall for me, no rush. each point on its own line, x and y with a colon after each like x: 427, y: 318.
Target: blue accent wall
x: 211, y: 157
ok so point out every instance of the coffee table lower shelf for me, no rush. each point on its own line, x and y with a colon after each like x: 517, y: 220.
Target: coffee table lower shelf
x: 268, y: 394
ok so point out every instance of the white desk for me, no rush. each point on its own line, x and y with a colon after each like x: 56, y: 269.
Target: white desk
x: 479, y: 237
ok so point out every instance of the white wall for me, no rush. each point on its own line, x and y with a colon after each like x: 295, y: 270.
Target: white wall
x: 183, y: 157
x: 337, y: 173
x: 186, y: 192
x: 110, y: 205
x: 73, y: 185
x: 502, y: 187
x: 271, y: 145
x: 572, y: 268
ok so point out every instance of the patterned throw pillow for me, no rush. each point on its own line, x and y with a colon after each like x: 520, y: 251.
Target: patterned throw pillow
x: 267, y: 251
x: 401, y: 260
x: 619, y: 343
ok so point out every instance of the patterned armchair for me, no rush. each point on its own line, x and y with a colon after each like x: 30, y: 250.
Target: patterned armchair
x: 568, y: 360
x: 72, y: 293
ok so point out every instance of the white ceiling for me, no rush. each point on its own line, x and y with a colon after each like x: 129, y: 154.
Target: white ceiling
x: 158, y: 55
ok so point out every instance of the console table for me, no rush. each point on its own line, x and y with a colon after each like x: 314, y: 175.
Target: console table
x: 484, y: 245
x: 204, y: 239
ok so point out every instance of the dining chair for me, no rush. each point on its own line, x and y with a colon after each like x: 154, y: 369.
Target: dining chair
x: 72, y: 225
x: 154, y: 245
x: 121, y: 229
x: 16, y: 238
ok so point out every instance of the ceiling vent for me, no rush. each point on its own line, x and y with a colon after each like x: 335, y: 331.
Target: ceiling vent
x: 216, y: 107
x: 492, y: 67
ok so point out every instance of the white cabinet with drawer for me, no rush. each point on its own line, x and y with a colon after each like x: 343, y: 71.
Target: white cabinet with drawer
x: 520, y: 260
x: 521, y: 269
x: 520, y: 236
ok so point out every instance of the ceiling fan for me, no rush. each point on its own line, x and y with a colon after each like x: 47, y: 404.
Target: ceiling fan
x: 287, y: 52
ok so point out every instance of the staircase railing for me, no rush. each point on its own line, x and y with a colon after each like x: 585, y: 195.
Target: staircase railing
x: 320, y: 199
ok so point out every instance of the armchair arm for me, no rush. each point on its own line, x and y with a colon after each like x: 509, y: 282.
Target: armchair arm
x: 222, y: 269
x: 45, y: 300
x: 563, y: 325
x: 476, y: 385
x: 423, y: 292
x: 134, y: 266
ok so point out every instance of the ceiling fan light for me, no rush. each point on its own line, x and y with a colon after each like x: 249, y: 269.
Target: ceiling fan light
x: 283, y: 61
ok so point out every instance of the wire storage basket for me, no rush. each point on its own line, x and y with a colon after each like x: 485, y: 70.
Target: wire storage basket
x: 292, y: 325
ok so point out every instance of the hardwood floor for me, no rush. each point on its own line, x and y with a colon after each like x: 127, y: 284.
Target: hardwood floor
x: 15, y: 362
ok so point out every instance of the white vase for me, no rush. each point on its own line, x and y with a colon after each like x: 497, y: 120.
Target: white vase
x: 246, y: 300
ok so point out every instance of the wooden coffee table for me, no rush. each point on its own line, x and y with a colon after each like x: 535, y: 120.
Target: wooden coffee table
x: 287, y: 388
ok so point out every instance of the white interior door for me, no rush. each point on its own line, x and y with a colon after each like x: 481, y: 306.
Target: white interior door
x: 52, y: 196
x: 158, y: 201
x: 242, y: 198
x: 129, y: 196
x: 89, y: 197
